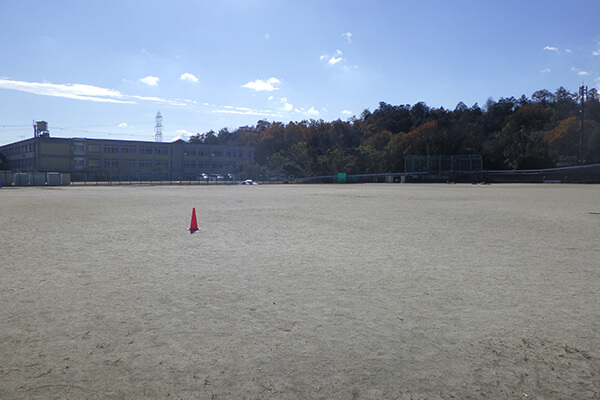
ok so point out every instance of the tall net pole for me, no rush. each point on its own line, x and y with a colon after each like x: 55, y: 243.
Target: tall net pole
x: 583, y: 94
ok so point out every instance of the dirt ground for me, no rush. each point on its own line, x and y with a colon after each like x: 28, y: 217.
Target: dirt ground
x: 375, y: 291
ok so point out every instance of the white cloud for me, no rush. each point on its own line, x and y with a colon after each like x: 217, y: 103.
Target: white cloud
x: 287, y: 107
x: 550, y: 48
x: 159, y: 100
x: 597, y: 51
x: 243, y: 111
x: 568, y: 50
x: 189, y: 77
x: 263, y: 86
x: 336, y: 58
x: 150, y: 80
x: 579, y: 72
x: 123, y: 125
x: 80, y: 92
x: 311, y: 111
x: 70, y: 91
x: 348, y: 36
x: 182, y: 134
x: 346, y: 112
x: 545, y: 70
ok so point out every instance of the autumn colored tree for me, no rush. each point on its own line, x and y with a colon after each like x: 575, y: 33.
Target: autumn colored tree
x: 509, y: 133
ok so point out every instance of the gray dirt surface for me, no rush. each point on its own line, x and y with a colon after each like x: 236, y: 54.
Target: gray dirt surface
x: 375, y: 291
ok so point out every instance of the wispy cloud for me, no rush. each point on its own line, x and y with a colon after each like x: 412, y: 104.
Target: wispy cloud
x: 348, y: 36
x: 175, y: 102
x: 263, y: 86
x: 597, y: 51
x: 189, y: 77
x: 79, y: 91
x: 150, y: 80
x: 545, y: 70
x: 123, y: 125
x: 579, y: 72
x: 243, y: 111
x: 346, y: 112
x: 550, y: 48
x: 69, y: 91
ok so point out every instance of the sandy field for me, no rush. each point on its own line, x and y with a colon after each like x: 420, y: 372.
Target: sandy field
x: 375, y: 291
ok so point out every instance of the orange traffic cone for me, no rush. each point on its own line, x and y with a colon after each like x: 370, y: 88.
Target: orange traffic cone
x: 194, y: 223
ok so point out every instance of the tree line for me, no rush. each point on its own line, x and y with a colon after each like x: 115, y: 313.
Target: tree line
x: 511, y: 133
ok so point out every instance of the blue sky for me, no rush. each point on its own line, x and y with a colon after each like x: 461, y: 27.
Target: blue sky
x: 103, y: 69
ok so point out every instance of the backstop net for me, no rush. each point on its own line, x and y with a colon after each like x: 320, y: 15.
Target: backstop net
x: 443, y: 165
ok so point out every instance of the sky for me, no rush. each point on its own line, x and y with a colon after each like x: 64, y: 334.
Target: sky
x: 103, y: 69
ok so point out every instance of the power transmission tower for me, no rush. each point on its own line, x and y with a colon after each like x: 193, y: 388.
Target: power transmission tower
x: 158, y: 128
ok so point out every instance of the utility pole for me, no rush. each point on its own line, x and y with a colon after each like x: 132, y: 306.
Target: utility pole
x: 582, y: 94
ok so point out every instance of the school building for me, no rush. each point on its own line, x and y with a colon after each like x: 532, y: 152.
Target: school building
x: 121, y: 160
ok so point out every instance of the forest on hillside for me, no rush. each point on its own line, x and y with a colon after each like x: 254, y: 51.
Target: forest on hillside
x: 511, y: 133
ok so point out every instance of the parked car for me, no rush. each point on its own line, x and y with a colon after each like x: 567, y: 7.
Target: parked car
x: 248, y: 182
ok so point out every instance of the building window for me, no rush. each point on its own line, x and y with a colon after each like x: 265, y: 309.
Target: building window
x: 111, y: 164
x: 128, y: 149
x: 111, y: 149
